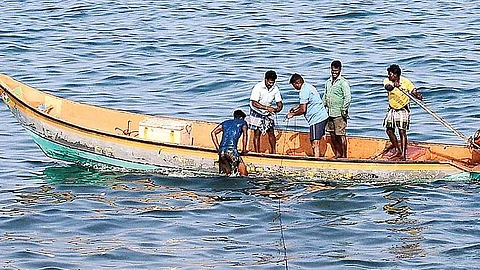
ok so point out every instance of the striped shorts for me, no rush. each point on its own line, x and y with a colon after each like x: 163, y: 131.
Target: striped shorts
x: 397, y: 119
x: 257, y: 121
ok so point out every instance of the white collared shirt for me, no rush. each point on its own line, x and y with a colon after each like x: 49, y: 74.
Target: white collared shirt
x: 264, y: 96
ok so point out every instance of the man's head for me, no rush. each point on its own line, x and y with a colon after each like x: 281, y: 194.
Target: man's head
x: 394, y: 72
x: 296, y: 81
x: 335, y: 69
x: 239, y: 114
x: 270, y: 78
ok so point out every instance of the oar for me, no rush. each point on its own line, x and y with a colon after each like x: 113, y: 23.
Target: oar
x: 436, y: 116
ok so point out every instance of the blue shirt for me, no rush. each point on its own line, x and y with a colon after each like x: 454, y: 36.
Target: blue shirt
x: 316, y: 111
x: 232, y: 130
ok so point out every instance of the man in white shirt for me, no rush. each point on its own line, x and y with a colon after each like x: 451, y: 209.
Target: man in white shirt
x: 262, y: 114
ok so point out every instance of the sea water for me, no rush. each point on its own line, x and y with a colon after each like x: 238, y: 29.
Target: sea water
x: 199, y: 60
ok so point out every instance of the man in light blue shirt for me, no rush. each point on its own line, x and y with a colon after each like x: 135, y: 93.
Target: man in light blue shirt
x: 311, y: 106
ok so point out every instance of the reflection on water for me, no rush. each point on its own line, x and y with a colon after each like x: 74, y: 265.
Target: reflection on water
x: 406, y: 229
x: 108, y: 195
x: 179, y: 187
x: 76, y: 175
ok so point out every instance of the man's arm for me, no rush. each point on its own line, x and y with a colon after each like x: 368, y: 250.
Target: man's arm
x: 244, y: 138
x: 324, y: 97
x: 279, y: 107
x: 214, y: 133
x: 257, y: 104
x: 417, y: 94
x: 347, y: 99
x: 389, y: 87
x: 297, y: 110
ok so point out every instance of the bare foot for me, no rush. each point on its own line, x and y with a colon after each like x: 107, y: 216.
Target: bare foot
x: 385, y: 151
x: 396, y: 156
x: 393, y: 153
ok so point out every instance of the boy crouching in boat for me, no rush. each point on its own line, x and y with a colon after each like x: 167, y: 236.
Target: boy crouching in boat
x: 229, y: 160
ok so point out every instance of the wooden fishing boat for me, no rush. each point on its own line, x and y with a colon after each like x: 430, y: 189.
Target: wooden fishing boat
x: 102, y: 137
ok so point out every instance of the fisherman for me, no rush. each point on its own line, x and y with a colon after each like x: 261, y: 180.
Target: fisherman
x: 262, y: 115
x: 229, y: 160
x: 311, y: 106
x: 337, y: 100
x: 398, y: 113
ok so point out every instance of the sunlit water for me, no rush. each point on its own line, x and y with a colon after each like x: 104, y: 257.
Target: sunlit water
x: 199, y: 60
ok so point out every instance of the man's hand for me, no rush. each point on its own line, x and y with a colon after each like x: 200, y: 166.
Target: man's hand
x: 389, y: 87
x: 417, y: 94
x: 271, y: 109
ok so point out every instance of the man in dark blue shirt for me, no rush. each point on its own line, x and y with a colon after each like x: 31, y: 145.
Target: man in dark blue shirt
x: 229, y: 160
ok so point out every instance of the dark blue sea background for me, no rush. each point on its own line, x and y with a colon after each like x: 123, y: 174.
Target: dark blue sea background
x: 199, y: 60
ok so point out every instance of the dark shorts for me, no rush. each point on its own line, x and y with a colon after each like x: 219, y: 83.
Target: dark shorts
x: 317, y: 130
x: 338, y: 125
x: 229, y: 158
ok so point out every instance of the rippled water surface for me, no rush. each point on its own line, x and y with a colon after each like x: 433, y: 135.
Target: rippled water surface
x: 198, y: 60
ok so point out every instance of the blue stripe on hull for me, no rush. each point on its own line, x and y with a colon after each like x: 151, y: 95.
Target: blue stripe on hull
x: 61, y: 152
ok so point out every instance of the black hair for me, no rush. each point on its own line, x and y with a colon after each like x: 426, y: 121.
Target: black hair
x: 271, y: 75
x: 296, y: 77
x: 395, y: 69
x: 336, y: 64
x: 237, y: 114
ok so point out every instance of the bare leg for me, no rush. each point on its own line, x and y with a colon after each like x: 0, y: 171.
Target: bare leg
x: 256, y: 140
x: 224, y: 166
x: 316, y: 148
x: 272, y: 140
x: 242, y: 169
x: 403, y: 142
x: 394, y: 141
x: 343, y: 145
x: 334, y: 140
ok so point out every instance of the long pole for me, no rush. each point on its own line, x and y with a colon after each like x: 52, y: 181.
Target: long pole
x: 436, y: 116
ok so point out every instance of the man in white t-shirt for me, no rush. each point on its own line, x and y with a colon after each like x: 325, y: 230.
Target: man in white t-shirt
x: 262, y: 115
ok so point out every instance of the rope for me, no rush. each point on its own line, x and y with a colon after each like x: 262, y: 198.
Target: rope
x: 282, y: 234
x: 284, y: 143
x: 295, y: 141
